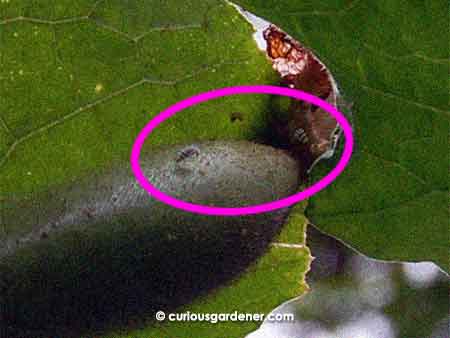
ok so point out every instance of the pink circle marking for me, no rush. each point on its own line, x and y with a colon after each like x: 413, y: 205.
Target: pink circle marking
x: 254, y: 209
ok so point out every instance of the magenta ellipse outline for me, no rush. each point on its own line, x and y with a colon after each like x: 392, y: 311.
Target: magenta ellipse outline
x: 253, y: 209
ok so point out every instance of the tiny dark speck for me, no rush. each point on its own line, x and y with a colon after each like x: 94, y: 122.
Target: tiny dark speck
x: 236, y: 116
x: 89, y: 212
x: 44, y: 235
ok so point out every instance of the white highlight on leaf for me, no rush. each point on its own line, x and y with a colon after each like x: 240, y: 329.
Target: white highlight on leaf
x: 258, y: 24
x: 421, y: 275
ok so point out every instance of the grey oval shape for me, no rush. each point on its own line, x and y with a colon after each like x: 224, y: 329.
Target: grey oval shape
x: 91, y: 249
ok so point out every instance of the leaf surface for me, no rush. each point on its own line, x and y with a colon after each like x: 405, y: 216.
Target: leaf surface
x: 80, y: 79
x: 391, y: 61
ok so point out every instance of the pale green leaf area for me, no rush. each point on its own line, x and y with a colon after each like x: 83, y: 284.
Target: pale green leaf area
x: 391, y: 60
x: 76, y: 91
x: 278, y: 276
x: 80, y: 79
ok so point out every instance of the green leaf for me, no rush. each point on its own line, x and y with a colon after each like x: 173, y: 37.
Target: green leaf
x: 278, y: 276
x: 390, y: 58
x: 78, y: 85
x: 79, y: 80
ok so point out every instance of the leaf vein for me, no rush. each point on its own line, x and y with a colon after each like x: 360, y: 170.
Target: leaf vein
x: 5, y: 127
x: 341, y: 11
x: 64, y: 118
x: 44, y: 21
x: 397, y: 97
x: 136, y: 38
x: 416, y: 54
x: 396, y: 164
x: 106, y: 98
x: 100, y: 24
x: 383, y: 209
x: 413, y: 139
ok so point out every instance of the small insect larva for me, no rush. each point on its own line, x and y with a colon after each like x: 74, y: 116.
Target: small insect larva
x: 89, y: 212
x: 300, y: 135
x: 190, y: 151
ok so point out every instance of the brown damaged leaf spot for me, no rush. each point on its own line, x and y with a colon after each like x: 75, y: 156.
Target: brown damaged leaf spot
x: 311, y: 132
